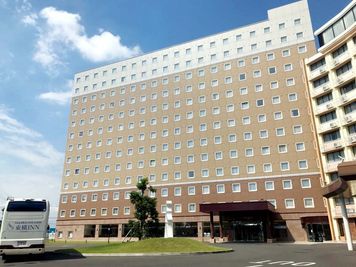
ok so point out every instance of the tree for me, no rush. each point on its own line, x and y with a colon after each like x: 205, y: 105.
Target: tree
x: 145, y: 208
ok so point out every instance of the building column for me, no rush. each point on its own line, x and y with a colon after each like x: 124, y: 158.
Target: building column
x: 200, y: 230
x: 269, y: 225
x: 212, y: 225
x: 346, y: 223
x: 97, y: 231
x: 220, y: 226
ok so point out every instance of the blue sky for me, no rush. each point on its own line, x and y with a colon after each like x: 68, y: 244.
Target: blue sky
x: 43, y: 43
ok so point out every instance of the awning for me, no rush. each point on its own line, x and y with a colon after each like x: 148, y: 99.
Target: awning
x: 314, y: 219
x: 237, y: 206
x: 347, y: 170
x: 335, y: 188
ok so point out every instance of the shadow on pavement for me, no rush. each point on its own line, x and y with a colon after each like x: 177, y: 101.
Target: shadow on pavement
x: 65, y: 254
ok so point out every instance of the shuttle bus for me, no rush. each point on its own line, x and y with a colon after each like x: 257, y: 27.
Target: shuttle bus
x: 24, y: 227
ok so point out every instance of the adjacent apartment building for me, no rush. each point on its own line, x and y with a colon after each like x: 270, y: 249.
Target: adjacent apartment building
x: 331, y: 78
x: 220, y: 126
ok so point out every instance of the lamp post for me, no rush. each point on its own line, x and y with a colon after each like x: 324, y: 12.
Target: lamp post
x: 109, y: 233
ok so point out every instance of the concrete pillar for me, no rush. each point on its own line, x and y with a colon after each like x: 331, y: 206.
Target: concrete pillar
x: 211, y: 225
x: 220, y: 226
x: 346, y: 223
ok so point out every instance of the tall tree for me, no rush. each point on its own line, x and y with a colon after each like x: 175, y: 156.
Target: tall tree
x: 145, y: 207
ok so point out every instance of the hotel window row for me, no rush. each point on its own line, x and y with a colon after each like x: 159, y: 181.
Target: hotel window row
x: 289, y: 203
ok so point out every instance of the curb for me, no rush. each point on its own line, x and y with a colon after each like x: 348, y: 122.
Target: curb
x: 151, y: 254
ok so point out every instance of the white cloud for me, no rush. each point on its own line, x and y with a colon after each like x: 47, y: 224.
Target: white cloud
x: 60, y: 31
x: 30, y: 166
x: 60, y: 98
x: 30, y: 19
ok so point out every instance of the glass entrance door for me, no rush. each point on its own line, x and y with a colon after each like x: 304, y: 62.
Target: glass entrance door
x: 245, y: 231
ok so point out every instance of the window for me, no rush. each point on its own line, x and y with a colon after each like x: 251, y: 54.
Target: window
x: 265, y: 150
x: 191, y: 207
x: 269, y: 185
x: 235, y: 170
x: 177, y: 191
x: 294, y: 113
x: 303, y: 164
x: 220, y: 188
x: 205, y: 189
x: 308, y: 202
x: 286, y: 53
x: 299, y: 147
x: 282, y: 148
x: 236, y: 188
x: 242, y: 76
x: 272, y: 70
x: 251, y: 169
x: 289, y: 203
x: 305, y: 183
x: 164, y: 192
x: 191, y: 190
x: 292, y: 97
x: 267, y: 167
x: 284, y: 166
x: 219, y: 172
x: 287, y: 184
x: 252, y: 187
x: 270, y: 56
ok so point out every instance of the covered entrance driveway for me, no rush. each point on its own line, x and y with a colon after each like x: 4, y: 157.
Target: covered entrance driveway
x: 242, y: 221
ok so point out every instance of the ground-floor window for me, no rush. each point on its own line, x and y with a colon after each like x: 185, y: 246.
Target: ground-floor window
x: 108, y: 230
x: 185, y: 229
x: 89, y: 230
x: 206, y: 229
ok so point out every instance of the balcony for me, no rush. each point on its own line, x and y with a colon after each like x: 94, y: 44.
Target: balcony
x: 324, y: 107
x: 352, y: 139
x: 344, y: 78
x: 336, y: 62
x: 317, y: 72
x: 351, y: 210
x: 332, y: 145
x: 320, y: 89
x: 332, y: 166
x: 350, y: 96
x: 350, y: 118
x: 326, y: 126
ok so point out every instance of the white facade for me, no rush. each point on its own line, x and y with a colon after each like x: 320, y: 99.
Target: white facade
x: 276, y: 32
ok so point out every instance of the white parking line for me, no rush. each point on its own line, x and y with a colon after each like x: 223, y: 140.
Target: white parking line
x: 262, y: 263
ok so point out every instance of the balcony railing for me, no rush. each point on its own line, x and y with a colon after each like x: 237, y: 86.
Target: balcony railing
x: 332, y: 145
x: 317, y: 72
x: 332, y: 166
x: 324, y: 107
x: 345, y: 77
x: 320, y: 89
x: 351, y: 210
x: 350, y: 118
x: 328, y: 125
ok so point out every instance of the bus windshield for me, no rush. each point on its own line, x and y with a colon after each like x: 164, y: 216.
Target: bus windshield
x: 27, y: 206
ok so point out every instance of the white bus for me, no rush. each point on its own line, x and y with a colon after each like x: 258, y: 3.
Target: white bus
x: 24, y: 227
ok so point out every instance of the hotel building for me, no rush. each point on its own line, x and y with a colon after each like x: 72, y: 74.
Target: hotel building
x: 331, y: 79
x: 219, y: 125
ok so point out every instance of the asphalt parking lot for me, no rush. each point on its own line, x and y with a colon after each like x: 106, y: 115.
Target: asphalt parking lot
x: 244, y: 255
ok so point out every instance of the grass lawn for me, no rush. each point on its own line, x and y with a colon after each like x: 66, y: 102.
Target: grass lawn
x: 154, y: 245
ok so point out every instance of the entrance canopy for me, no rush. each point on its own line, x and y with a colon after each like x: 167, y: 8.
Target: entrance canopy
x: 237, y: 206
x: 347, y: 170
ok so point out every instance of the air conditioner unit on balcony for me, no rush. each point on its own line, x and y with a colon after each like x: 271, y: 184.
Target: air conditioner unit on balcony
x: 340, y: 80
x: 337, y: 145
x: 353, y: 139
x: 322, y: 70
x: 336, y: 62
x: 325, y: 87
x: 344, y: 98
x: 329, y: 106
x: 348, y: 118
x: 333, y: 125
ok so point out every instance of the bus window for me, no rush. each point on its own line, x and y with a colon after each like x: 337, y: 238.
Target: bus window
x: 34, y: 206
